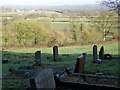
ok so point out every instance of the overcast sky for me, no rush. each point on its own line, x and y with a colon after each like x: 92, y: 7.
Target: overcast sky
x: 47, y: 2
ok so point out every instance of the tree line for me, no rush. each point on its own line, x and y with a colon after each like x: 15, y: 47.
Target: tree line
x: 31, y: 32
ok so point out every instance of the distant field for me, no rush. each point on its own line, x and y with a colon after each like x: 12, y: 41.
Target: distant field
x: 64, y: 19
x: 60, y: 25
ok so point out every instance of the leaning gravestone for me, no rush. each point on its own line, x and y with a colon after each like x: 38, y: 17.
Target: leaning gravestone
x: 80, y: 63
x: 55, y: 53
x: 38, y: 57
x: 101, y: 53
x: 95, y: 53
x: 43, y: 80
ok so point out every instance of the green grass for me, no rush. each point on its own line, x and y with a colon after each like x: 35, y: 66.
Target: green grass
x: 67, y: 56
x: 15, y: 84
x: 62, y: 19
x: 60, y: 25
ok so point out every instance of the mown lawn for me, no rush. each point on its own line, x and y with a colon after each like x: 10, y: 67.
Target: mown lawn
x: 67, y: 58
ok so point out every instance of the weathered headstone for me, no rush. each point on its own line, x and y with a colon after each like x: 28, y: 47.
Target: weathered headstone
x: 38, y: 57
x: 43, y: 80
x: 79, y: 68
x: 101, y: 53
x: 95, y: 53
x: 55, y: 53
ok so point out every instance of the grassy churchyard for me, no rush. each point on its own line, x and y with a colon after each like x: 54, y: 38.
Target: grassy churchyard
x: 21, y: 59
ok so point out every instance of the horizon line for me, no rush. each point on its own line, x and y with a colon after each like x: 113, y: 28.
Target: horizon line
x: 53, y: 5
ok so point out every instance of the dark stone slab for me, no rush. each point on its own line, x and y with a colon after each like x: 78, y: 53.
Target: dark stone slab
x: 80, y: 63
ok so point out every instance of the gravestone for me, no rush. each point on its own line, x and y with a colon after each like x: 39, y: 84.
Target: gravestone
x: 79, y: 68
x: 95, y: 53
x: 43, y: 80
x: 101, y: 53
x: 38, y: 57
x: 55, y: 53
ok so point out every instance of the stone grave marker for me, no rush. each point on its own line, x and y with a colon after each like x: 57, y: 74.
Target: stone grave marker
x: 55, y: 53
x: 38, y: 57
x: 80, y: 63
x: 43, y: 80
x: 101, y: 53
x: 95, y: 53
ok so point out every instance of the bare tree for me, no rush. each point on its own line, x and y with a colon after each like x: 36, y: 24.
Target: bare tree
x: 115, y: 4
x: 104, y: 23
